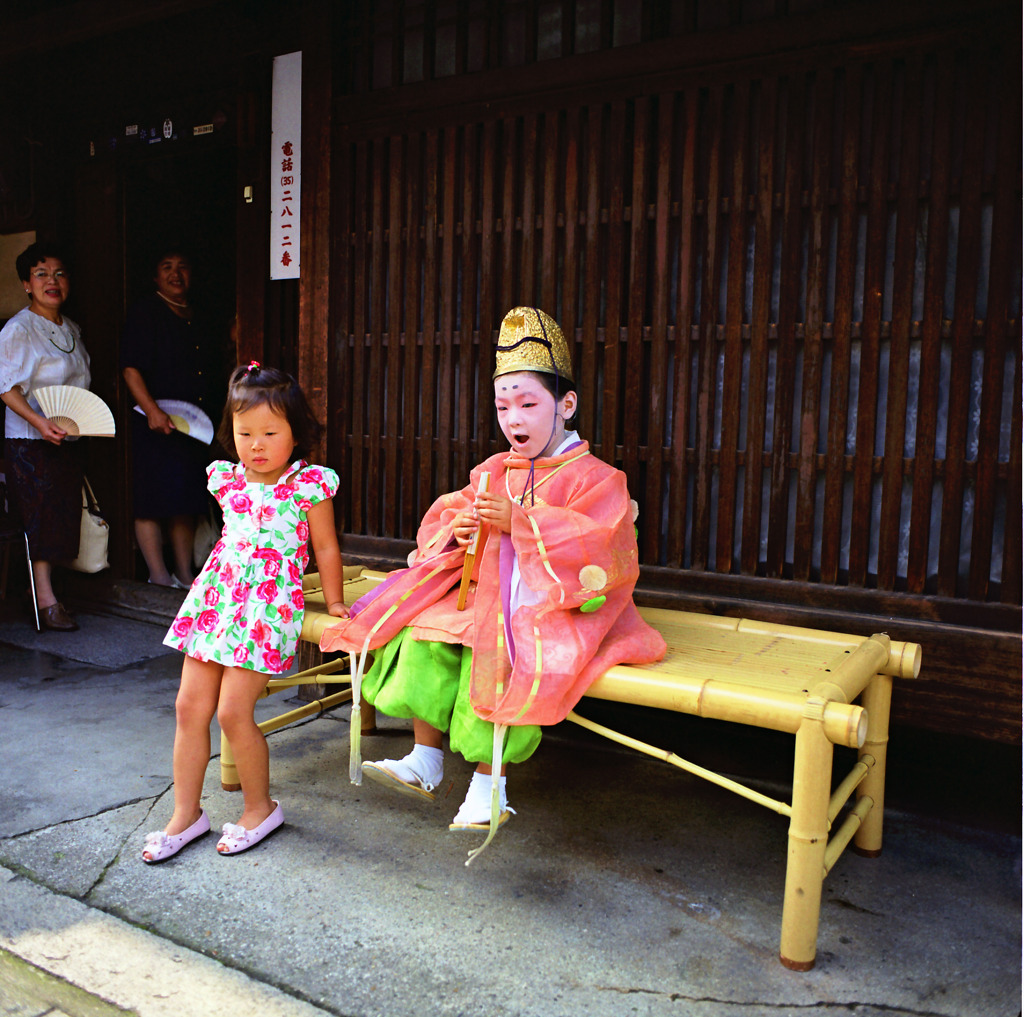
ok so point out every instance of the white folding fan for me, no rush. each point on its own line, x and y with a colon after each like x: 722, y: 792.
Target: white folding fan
x: 77, y: 410
x: 188, y: 418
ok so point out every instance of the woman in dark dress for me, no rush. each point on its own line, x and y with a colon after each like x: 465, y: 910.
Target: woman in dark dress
x: 168, y: 353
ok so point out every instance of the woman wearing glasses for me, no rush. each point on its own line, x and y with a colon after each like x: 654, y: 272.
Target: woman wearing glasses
x: 39, y: 346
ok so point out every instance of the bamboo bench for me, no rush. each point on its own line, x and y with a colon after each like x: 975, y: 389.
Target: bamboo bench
x: 779, y: 677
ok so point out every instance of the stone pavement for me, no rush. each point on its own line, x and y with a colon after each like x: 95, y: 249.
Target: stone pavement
x: 622, y: 887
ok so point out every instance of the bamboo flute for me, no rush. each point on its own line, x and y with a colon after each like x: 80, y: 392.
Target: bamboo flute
x: 471, y: 551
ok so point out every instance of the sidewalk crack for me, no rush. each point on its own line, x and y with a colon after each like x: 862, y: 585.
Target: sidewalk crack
x: 116, y: 857
x: 818, y: 1006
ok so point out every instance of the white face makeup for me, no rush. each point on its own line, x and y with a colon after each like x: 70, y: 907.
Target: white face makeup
x: 530, y: 419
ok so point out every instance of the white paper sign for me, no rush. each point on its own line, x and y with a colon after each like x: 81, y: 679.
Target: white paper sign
x: 285, y: 166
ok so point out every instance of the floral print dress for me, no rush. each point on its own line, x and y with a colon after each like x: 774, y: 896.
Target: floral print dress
x: 245, y: 607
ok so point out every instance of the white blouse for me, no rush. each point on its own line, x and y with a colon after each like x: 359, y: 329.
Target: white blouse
x: 34, y: 353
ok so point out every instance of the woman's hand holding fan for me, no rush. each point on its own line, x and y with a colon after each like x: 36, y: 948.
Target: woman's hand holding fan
x: 76, y: 411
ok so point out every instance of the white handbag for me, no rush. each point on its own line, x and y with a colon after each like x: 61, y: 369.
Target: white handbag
x: 95, y: 534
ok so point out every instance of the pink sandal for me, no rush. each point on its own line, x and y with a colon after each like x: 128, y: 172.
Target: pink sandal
x: 161, y: 845
x: 237, y: 838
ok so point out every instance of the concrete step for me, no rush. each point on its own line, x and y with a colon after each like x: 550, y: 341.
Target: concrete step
x: 123, y: 598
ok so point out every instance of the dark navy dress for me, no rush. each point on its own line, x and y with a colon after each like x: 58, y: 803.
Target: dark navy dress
x: 177, y: 360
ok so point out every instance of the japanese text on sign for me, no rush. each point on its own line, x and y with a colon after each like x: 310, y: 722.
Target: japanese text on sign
x: 285, y: 166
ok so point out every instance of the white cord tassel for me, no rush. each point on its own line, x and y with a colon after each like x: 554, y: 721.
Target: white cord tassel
x: 355, y: 758
x: 497, y: 751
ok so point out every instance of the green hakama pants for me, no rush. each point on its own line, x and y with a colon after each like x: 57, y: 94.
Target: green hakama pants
x: 430, y: 681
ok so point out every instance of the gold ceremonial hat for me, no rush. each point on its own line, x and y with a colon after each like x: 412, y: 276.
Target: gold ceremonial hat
x: 530, y: 340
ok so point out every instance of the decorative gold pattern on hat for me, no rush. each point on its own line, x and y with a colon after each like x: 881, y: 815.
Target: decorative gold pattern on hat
x: 530, y: 340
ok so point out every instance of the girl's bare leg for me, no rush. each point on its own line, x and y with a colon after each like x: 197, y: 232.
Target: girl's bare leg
x: 239, y: 692
x: 194, y: 709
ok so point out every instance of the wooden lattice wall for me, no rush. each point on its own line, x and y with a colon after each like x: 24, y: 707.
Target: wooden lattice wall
x: 793, y: 292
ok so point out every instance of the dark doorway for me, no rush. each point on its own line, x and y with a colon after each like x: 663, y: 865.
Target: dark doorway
x: 185, y: 201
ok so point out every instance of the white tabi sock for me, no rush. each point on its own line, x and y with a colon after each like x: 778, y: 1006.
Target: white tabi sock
x: 428, y: 762
x: 477, y: 805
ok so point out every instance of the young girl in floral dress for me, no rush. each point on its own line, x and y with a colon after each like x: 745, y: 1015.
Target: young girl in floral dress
x: 241, y: 620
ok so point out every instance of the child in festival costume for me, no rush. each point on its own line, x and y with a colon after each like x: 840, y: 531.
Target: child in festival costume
x: 241, y: 620
x: 552, y: 607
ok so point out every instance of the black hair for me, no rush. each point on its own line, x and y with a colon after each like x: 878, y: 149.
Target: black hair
x: 258, y: 386
x: 163, y: 252
x: 36, y: 253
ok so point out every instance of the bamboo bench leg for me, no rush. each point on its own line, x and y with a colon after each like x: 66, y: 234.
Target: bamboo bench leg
x: 228, y: 770
x: 808, y: 838
x: 876, y: 699
x: 368, y: 718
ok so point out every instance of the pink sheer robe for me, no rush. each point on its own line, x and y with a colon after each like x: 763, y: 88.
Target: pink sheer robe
x: 576, y: 548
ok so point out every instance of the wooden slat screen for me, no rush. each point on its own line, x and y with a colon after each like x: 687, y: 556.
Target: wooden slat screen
x: 794, y: 300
